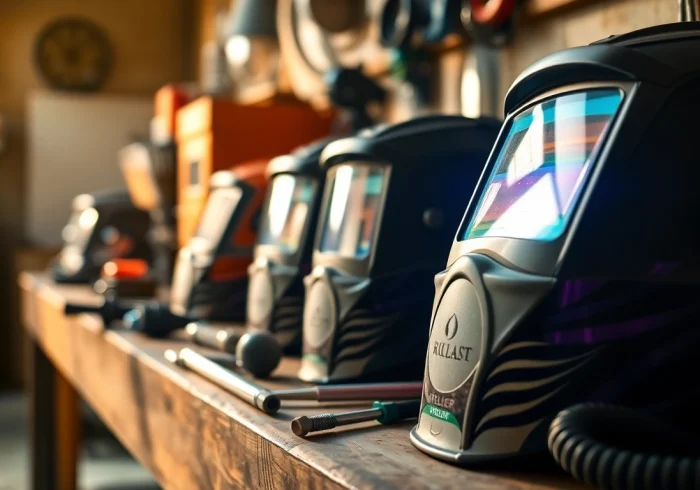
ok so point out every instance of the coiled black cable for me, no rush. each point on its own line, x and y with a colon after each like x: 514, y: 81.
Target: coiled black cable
x: 618, y: 448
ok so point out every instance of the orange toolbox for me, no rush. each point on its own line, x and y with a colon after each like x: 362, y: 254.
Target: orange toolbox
x: 216, y: 134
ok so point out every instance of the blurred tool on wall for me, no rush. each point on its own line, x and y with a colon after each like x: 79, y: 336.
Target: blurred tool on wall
x: 252, y: 50
x: 415, y: 32
x: 489, y: 27
x: 319, y: 36
x: 490, y: 22
x: 215, y: 78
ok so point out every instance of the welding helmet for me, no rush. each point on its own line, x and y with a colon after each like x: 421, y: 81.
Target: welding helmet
x: 285, y: 242
x: 211, y: 279
x: 149, y: 171
x: 387, y: 219
x: 575, y: 273
x: 103, y: 226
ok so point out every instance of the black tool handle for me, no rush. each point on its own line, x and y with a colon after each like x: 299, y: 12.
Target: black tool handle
x: 76, y: 309
x: 154, y: 320
x: 109, y: 311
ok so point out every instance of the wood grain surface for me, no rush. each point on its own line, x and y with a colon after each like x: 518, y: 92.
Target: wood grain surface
x: 191, y: 434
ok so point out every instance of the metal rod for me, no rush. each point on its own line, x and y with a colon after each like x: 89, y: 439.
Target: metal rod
x: 687, y: 11
x: 270, y: 401
x: 310, y: 394
x: 223, y: 339
x: 355, y: 392
x: 370, y: 391
x: 235, y: 384
x: 347, y: 418
x: 222, y: 359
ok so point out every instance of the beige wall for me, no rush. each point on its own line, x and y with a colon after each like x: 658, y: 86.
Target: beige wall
x: 151, y: 41
x: 582, y: 24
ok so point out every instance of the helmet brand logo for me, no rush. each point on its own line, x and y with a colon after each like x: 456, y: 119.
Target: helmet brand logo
x: 451, y: 351
x: 451, y: 327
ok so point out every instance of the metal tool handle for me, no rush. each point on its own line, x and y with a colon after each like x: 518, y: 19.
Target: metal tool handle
x: 378, y: 391
x: 244, y: 389
x: 223, y: 339
x: 223, y: 359
x: 687, y: 11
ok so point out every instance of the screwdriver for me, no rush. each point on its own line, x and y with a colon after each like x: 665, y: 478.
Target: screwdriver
x: 382, y: 412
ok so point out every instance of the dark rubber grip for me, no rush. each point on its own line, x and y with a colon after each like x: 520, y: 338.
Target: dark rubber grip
x: 110, y: 311
x: 323, y: 422
x: 154, y: 320
x: 76, y: 309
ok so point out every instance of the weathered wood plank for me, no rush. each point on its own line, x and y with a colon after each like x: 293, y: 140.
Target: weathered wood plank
x: 191, y: 434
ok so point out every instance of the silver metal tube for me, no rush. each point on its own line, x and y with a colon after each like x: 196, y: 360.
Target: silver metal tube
x: 354, y: 392
x: 223, y: 339
x: 298, y: 394
x: 244, y: 389
x: 687, y: 11
x: 357, y: 416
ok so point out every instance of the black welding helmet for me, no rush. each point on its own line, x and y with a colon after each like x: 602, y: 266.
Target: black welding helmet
x: 103, y: 226
x: 575, y: 274
x: 211, y: 277
x: 390, y: 208
x: 285, y: 242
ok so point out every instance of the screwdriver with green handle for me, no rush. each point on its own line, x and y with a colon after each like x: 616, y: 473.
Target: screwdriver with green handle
x: 382, y: 412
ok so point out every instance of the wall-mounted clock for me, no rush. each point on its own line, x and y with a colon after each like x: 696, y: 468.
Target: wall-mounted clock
x: 73, y: 54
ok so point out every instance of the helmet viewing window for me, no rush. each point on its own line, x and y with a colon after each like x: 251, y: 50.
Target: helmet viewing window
x: 220, y: 207
x: 352, y: 210
x: 286, y: 211
x: 540, y: 171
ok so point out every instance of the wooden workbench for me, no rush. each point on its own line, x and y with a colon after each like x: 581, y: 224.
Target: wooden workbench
x: 193, y: 435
